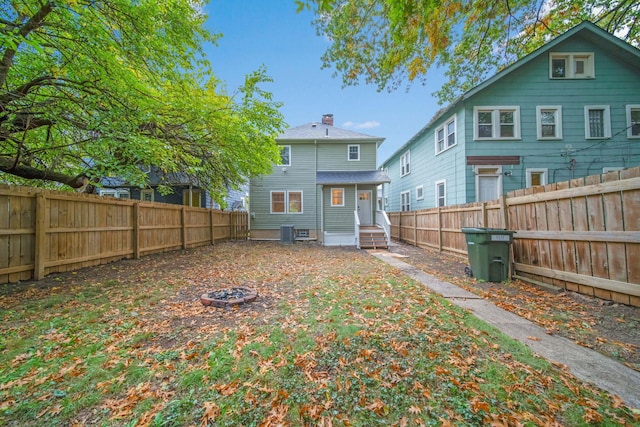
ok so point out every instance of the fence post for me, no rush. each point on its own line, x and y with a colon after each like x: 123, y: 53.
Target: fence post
x: 183, y: 219
x: 232, y: 224
x: 485, y: 217
x: 136, y: 230
x: 439, y: 229
x: 504, y: 211
x: 415, y: 229
x: 213, y: 234
x: 41, y: 234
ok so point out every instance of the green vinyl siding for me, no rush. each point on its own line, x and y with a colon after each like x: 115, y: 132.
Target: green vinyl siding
x: 299, y: 176
x: 427, y: 168
x: 527, y: 87
x: 339, y: 219
x: 615, y: 85
x: 332, y: 156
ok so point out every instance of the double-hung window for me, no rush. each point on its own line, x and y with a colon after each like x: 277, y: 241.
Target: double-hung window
x: 567, y: 65
x: 419, y: 192
x: 405, y: 201
x: 496, y: 123
x: 405, y: 164
x: 354, y: 153
x: 441, y: 193
x: 283, y: 202
x: 549, y: 121
x: 285, y: 155
x: 337, y: 197
x: 446, y: 135
x: 597, y: 121
x: 633, y: 121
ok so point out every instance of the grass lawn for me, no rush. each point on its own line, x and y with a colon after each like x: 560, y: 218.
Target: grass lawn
x: 335, y: 338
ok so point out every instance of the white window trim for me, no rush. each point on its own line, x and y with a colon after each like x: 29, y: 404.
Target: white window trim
x: 606, y: 118
x: 147, y: 191
x: 289, y: 147
x: 495, y: 122
x: 301, y: 202
x: 271, y: 202
x: 331, y: 195
x: 444, y: 128
x: 498, y: 173
x: 629, y: 124
x: 286, y: 202
x: 442, y: 182
x: 408, y: 195
x: 405, y: 160
x: 558, y: 116
x: 419, y: 192
x: 590, y: 71
x: 116, y: 193
x: 543, y: 171
x: 349, y: 152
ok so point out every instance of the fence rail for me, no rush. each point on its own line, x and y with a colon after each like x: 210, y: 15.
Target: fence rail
x: 45, y: 231
x: 582, y: 235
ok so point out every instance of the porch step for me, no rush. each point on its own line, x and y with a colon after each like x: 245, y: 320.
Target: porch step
x: 373, y: 238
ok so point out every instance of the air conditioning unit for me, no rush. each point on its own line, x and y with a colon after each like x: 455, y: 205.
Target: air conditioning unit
x: 287, y: 234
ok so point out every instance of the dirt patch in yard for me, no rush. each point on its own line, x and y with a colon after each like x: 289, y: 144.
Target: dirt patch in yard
x: 609, y: 328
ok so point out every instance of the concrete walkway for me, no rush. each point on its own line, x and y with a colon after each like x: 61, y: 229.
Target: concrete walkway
x: 585, y: 364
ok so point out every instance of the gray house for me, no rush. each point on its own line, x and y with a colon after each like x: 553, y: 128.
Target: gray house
x: 323, y: 189
x: 568, y: 110
x: 185, y: 191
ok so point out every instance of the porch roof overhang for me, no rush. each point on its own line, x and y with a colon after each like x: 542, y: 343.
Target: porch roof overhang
x: 352, y: 177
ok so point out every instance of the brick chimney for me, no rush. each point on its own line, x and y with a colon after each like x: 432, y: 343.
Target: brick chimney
x: 327, y: 119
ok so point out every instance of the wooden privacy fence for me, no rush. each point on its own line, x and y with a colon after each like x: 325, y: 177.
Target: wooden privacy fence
x: 44, y: 231
x: 582, y: 235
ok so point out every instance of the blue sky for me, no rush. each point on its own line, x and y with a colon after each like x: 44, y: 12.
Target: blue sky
x: 272, y: 34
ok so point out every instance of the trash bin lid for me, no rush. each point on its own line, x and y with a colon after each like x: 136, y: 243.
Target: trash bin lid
x: 481, y: 230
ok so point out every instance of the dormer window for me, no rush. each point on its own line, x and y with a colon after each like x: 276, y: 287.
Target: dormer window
x: 567, y: 65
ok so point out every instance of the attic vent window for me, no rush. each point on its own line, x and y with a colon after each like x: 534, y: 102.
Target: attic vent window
x: 568, y: 65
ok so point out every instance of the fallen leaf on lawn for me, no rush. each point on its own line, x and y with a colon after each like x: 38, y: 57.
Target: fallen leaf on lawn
x: 211, y: 412
x: 377, y: 406
x: 415, y: 409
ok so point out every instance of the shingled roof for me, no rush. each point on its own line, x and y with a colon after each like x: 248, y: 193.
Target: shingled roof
x: 352, y: 177
x: 322, y: 131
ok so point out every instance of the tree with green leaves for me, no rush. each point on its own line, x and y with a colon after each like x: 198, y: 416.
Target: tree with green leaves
x: 390, y: 43
x: 96, y: 88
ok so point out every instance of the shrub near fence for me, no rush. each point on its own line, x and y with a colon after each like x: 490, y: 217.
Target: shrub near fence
x: 44, y: 231
x: 582, y: 235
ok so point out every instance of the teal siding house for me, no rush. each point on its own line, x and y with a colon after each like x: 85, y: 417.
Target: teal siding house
x: 570, y: 109
x: 324, y: 189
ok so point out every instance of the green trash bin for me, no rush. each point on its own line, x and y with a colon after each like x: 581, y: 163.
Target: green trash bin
x: 488, y: 250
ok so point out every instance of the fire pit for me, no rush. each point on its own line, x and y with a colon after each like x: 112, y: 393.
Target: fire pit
x: 228, y: 297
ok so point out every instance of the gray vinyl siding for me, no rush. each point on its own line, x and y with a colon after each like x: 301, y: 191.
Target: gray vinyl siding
x: 333, y: 156
x: 299, y: 176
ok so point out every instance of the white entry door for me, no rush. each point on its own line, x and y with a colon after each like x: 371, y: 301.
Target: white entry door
x: 488, y: 183
x: 364, y: 207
